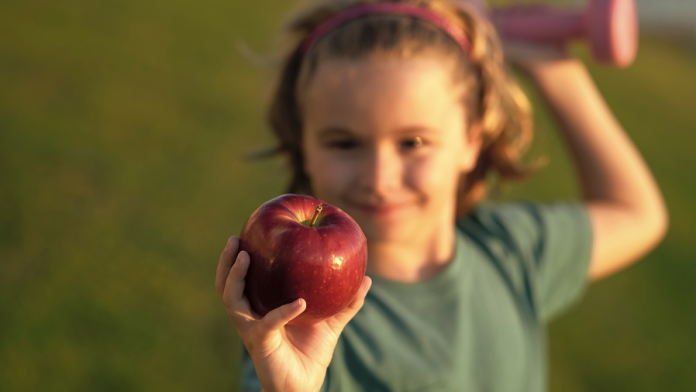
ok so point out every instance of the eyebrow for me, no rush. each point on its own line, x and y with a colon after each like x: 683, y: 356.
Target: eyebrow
x: 332, y: 131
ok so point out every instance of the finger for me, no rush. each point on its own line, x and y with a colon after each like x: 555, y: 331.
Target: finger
x: 233, y: 291
x: 343, y: 317
x: 225, y: 263
x: 237, y: 304
x: 278, y: 317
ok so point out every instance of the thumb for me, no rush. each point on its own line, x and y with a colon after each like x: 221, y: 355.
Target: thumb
x: 277, y: 318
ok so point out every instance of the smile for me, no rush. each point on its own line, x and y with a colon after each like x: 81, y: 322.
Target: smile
x: 382, y: 209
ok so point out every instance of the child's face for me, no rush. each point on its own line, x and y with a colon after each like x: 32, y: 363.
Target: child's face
x: 386, y: 141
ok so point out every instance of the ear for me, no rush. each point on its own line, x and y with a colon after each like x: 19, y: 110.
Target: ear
x: 472, y: 148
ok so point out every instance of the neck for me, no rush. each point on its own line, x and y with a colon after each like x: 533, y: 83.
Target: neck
x: 413, y: 260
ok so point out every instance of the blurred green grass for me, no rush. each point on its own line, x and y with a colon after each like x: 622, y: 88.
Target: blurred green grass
x: 123, y: 127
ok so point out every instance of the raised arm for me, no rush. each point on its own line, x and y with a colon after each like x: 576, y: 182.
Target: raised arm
x: 628, y: 214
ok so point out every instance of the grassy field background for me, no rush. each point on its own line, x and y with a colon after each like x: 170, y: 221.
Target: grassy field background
x: 123, y: 126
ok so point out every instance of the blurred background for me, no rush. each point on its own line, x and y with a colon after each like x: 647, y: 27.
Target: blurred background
x: 123, y: 130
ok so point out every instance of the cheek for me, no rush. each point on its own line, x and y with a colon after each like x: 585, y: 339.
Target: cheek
x: 329, y: 175
x: 435, y: 175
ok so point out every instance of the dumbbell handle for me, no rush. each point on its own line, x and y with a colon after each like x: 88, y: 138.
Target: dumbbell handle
x: 608, y: 26
x: 540, y: 24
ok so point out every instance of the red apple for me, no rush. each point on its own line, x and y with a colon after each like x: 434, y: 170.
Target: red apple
x: 302, y: 247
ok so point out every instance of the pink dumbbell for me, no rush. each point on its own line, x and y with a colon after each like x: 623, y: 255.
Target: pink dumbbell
x: 610, y: 26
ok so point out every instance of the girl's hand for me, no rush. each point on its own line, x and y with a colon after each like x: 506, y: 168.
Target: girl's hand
x: 286, y: 357
x: 535, y: 59
x: 551, y: 69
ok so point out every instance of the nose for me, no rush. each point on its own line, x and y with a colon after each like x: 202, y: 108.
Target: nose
x: 381, y: 171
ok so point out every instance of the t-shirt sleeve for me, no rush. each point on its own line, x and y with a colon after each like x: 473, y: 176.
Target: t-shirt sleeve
x: 553, y: 244
x: 250, y: 381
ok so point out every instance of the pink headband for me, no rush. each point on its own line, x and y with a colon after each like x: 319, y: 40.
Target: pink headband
x: 385, y: 8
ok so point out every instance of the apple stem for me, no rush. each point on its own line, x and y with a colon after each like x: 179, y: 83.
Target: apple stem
x: 316, y: 215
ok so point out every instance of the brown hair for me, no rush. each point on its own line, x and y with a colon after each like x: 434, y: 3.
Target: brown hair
x: 495, y: 100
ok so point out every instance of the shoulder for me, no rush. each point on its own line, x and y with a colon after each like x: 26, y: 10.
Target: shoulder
x: 505, y: 236
x: 502, y: 220
x: 541, y: 247
x: 526, y: 226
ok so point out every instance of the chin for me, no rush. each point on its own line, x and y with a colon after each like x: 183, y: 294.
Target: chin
x: 380, y: 234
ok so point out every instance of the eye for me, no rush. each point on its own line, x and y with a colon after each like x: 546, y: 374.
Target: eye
x: 411, y: 143
x: 346, y: 144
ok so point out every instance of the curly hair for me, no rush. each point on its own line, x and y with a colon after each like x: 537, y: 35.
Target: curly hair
x: 493, y: 100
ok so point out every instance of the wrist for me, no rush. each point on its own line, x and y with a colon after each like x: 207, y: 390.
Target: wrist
x: 548, y: 74
x: 318, y: 389
x: 315, y: 387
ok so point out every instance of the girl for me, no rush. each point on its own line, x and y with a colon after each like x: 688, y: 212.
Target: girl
x: 397, y: 113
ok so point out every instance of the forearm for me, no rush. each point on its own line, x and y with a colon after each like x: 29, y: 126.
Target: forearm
x: 610, y: 167
x: 628, y: 213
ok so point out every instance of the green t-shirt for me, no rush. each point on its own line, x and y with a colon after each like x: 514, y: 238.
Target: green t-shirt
x: 480, y: 324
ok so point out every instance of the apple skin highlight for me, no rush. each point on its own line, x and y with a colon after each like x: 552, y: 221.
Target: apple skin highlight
x: 324, y: 264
